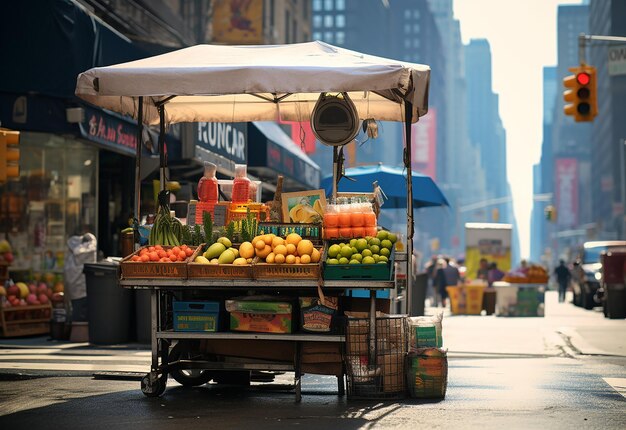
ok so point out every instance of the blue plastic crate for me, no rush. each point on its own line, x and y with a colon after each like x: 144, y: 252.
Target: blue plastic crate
x: 197, y: 316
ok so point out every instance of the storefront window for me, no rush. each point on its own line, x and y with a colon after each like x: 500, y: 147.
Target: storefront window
x: 54, y: 198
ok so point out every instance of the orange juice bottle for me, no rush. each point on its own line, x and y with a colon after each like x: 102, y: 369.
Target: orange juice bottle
x: 331, y: 217
x: 344, y: 217
x: 331, y: 232
x: 369, y: 217
x: 241, y: 185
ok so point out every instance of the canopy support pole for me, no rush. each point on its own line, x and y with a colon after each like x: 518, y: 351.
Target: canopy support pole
x: 335, y: 172
x: 137, y: 206
x: 408, y: 111
x: 162, y: 155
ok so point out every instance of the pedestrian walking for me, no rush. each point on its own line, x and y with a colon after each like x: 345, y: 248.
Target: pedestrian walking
x: 563, y: 277
x: 448, y: 275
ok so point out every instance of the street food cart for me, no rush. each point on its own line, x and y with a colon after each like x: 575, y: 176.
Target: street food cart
x: 253, y: 83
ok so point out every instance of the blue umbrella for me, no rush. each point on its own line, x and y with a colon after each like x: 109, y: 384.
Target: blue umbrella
x: 393, y: 183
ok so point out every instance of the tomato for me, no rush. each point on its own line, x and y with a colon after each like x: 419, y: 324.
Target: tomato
x: 144, y: 258
x: 153, y: 256
x: 173, y: 259
x: 188, y: 252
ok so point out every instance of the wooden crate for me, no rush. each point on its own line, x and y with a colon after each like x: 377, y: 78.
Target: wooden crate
x: 25, y: 320
x: 153, y: 269
x: 286, y: 271
x: 216, y: 271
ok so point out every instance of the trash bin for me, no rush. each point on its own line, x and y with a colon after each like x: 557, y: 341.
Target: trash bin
x: 456, y: 294
x: 614, y: 284
x: 420, y: 283
x: 474, y: 299
x: 109, y: 306
x: 143, y: 316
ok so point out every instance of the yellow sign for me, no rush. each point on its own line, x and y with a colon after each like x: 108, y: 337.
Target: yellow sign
x: 238, y: 22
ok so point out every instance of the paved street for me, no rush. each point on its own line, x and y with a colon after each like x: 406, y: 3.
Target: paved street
x: 565, y: 370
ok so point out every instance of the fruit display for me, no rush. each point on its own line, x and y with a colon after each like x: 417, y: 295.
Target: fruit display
x: 535, y: 274
x: 223, y: 252
x: 292, y: 249
x: 26, y: 302
x: 159, y: 254
x: 6, y: 252
x: 364, y: 250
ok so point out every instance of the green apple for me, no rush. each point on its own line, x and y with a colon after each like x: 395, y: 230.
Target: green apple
x: 354, y: 262
x: 332, y: 261
x: 385, y: 252
x: 374, y: 241
x: 383, y: 259
x: 386, y: 244
x: 354, y: 250
x: 343, y: 260
x: 382, y: 235
x: 376, y: 257
x: 366, y: 253
x: 392, y: 237
x: 352, y: 242
x: 357, y: 257
x: 361, y: 244
x: 368, y: 260
x: 333, y: 251
x: 375, y: 249
x: 346, y: 251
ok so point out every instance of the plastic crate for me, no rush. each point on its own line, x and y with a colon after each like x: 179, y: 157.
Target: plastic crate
x: 373, y: 272
x: 196, y: 316
x: 313, y: 232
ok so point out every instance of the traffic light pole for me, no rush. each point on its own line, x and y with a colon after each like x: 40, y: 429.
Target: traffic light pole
x: 585, y: 39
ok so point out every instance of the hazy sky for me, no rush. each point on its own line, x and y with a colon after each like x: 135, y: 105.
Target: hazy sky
x: 522, y: 35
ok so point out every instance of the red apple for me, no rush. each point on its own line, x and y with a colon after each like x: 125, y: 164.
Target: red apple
x: 32, y: 288
x: 43, y: 299
x: 13, y: 290
x: 42, y: 289
x: 31, y: 299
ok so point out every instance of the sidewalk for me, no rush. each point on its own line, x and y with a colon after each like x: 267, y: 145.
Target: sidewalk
x: 565, y: 331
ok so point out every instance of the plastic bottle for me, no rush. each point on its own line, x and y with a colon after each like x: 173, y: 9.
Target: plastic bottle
x: 207, y: 185
x: 241, y: 185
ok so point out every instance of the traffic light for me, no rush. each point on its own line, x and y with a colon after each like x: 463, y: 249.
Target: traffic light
x: 9, y: 154
x: 550, y: 212
x: 581, y: 93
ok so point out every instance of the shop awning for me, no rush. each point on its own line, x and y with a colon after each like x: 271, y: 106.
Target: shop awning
x: 272, y: 152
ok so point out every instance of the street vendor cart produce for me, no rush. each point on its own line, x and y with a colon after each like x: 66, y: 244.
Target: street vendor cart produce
x: 296, y: 82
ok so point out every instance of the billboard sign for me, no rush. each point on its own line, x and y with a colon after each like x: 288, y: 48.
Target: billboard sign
x: 238, y: 22
x: 424, y: 144
x: 566, y: 184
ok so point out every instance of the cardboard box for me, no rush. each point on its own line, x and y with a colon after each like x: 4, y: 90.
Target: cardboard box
x: 321, y: 352
x: 392, y: 367
x: 260, y: 316
x: 357, y: 344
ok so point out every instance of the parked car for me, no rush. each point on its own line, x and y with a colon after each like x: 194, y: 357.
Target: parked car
x: 587, y: 272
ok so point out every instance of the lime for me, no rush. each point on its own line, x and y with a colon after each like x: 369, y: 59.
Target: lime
x: 333, y: 251
x: 375, y: 249
x: 354, y: 250
x: 354, y: 262
x: 374, y: 241
x: 357, y: 257
x: 386, y: 244
x: 346, y: 251
x: 385, y: 251
x: 343, y: 260
x: 382, y: 235
x: 332, y: 261
x: 368, y: 260
x: 352, y: 242
x: 366, y: 253
x: 392, y: 237
x: 361, y: 244
x: 376, y: 257
x: 383, y: 259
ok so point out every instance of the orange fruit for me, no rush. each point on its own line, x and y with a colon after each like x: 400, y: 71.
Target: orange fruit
x: 306, y: 259
x: 291, y: 248
x: 246, y: 250
x: 279, y: 259
x: 297, y: 260
x: 260, y: 244
x: 281, y: 249
x: 264, y: 252
x: 276, y: 241
x: 270, y: 258
x: 305, y: 247
x: 293, y: 238
x: 315, y: 256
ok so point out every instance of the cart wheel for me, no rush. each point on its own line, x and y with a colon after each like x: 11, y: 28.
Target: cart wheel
x: 187, y: 377
x: 153, y: 386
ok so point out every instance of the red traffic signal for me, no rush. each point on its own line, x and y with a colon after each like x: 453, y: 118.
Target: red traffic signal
x: 581, y: 93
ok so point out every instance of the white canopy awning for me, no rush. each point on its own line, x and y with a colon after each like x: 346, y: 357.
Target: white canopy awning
x: 256, y: 83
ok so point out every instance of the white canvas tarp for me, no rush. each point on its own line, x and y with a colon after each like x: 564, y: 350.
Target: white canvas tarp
x: 256, y: 83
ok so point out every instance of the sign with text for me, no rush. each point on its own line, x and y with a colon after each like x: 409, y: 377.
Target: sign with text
x: 617, y: 60
x: 566, y: 183
x: 227, y: 139
x: 424, y: 144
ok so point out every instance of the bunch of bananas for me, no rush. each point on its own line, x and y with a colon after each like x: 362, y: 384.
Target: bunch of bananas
x: 166, y: 229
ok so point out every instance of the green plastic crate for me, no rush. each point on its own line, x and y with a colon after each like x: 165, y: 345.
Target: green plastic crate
x: 372, y: 272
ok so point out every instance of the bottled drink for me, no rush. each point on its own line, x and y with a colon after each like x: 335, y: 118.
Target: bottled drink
x: 207, y: 186
x: 241, y: 185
